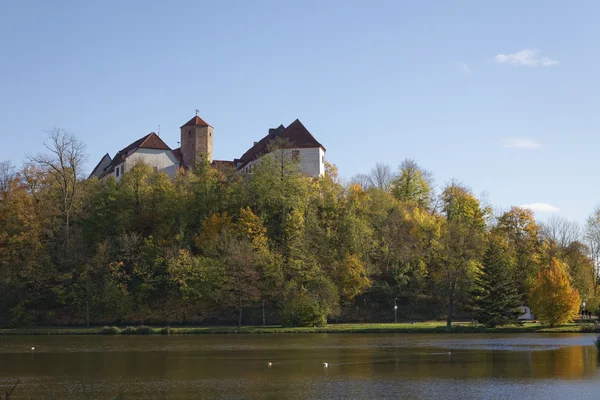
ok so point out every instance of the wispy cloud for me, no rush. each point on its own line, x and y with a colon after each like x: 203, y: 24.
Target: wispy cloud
x: 525, y: 57
x: 466, y: 68
x: 521, y: 143
x: 541, y: 207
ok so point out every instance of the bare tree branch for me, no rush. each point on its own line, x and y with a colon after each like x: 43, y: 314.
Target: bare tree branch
x: 7, y: 173
x: 64, y: 164
x: 381, y: 177
x: 561, y: 231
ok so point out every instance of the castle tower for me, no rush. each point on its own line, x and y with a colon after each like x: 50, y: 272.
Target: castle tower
x: 196, y: 140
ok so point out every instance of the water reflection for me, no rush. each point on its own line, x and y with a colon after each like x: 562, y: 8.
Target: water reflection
x: 360, y: 366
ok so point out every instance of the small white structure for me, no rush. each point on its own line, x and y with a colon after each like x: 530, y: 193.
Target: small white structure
x: 527, y: 315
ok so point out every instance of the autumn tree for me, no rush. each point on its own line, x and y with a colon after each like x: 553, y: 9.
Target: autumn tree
x: 461, y: 246
x: 552, y: 298
x: 520, y: 233
x: 497, y: 301
x: 242, y: 271
x: 413, y: 184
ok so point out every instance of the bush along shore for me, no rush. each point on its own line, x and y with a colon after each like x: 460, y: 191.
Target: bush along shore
x: 421, y: 327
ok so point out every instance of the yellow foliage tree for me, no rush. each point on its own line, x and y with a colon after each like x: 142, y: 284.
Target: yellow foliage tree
x: 352, y: 276
x: 212, y: 227
x: 552, y: 298
x: 251, y: 227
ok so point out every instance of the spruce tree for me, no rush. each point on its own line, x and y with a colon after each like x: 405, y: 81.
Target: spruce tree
x: 497, y: 301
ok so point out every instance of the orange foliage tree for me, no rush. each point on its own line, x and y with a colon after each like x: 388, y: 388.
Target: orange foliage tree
x: 552, y: 298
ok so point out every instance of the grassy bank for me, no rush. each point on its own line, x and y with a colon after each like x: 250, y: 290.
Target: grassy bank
x: 420, y: 327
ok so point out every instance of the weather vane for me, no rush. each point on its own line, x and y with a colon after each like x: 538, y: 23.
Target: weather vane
x: 197, y: 111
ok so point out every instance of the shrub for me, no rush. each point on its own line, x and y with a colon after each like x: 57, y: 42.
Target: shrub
x: 310, y: 305
x: 303, y: 311
x: 143, y: 330
x: 165, y: 331
x: 130, y: 330
x: 110, y: 330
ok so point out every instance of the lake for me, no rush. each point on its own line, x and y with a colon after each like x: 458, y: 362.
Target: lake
x: 361, y: 366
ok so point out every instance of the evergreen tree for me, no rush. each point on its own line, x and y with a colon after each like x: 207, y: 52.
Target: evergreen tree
x: 497, y: 301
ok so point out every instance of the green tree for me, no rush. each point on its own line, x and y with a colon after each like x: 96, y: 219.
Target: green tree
x: 310, y: 304
x: 413, y: 184
x: 521, y: 234
x: 460, y: 248
x: 497, y: 301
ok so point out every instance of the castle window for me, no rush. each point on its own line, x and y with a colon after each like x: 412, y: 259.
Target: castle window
x: 117, y: 172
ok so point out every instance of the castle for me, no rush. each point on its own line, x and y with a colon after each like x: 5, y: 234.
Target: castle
x: 197, y: 144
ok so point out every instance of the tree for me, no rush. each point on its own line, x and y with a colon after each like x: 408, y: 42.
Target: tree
x: 310, y: 304
x: 7, y: 174
x: 592, y: 237
x: 552, y: 299
x: 64, y: 165
x: 413, y: 184
x: 362, y: 180
x: 352, y: 277
x: 242, y: 285
x: 497, y: 301
x: 519, y: 232
x: 381, y: 177
x: 581, y: 270
x: 461, y: 243
x: 561, y: 232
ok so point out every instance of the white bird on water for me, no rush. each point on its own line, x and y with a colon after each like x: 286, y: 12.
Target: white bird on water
x: 32, y: 348
x: 270, y: 364
x: 449, y: 353
x: 325, y: 365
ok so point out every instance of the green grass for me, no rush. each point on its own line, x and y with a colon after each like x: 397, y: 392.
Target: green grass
x: 420, y: 327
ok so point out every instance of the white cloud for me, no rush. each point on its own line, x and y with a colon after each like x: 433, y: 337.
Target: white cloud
x: 521, y: 143
x: 526, y: 57
x: 466, y: 68
x: 541, y: 207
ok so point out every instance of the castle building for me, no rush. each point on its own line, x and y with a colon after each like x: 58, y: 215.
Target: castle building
x: 197, y: 143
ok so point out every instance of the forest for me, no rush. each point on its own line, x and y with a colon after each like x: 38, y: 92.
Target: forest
x: 212, y: 246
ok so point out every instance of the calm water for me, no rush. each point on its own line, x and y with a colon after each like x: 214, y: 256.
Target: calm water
x: 360, y: 366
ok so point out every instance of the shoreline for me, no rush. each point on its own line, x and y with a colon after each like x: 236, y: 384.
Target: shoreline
x: 419, y: 327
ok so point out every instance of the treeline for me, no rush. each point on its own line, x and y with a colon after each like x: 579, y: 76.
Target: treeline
x: 213, y: 246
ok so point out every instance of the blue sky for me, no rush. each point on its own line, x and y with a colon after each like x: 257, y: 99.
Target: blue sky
x: 501, y: 95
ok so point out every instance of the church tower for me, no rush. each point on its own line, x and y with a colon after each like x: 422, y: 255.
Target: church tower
x: 196, y: 141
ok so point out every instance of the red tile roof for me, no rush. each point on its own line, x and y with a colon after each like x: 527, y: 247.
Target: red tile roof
x: 196, y: 121
x: 150, y: 141
x: 296, y: 133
